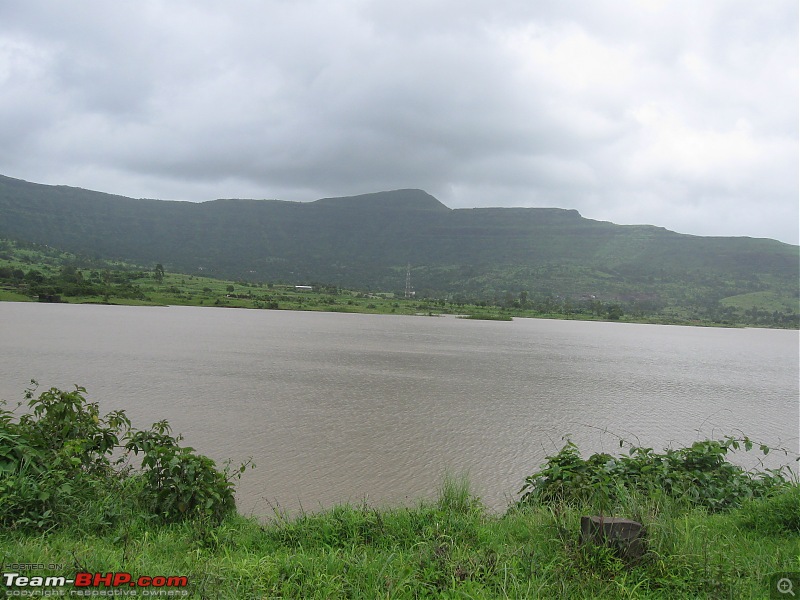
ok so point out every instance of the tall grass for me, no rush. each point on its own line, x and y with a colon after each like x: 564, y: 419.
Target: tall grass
x: 446, y: 548
x: 455, y: 494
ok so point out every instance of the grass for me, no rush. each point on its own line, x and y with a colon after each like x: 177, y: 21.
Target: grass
x: 446, y: 548
x: 10, y: 295
x: 768, y: 301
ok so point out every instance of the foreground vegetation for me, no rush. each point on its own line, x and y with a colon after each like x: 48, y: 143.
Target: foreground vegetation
x: 72, y: 502
x: 30, y: 272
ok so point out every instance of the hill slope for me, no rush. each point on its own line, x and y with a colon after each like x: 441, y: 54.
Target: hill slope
x: 366, y: 242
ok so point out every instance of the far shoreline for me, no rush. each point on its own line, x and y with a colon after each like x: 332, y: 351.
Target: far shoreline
x: 498, y: 315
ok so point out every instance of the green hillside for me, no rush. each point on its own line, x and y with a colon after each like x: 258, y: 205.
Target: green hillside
x: 500, y: 255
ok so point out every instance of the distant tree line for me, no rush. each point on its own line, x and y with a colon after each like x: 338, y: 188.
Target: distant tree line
x: 72, y: 282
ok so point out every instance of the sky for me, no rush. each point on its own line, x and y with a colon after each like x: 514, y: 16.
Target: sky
x: 678, y: 113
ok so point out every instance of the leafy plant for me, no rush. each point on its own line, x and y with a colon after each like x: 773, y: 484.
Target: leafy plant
x: 699, y: 475
x: 55, y: 458
x: 56, y: 465
x: 66, y: 425
x: 179, y: 483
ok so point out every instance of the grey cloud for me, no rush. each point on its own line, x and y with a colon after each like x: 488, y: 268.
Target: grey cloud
x: 680, y: 114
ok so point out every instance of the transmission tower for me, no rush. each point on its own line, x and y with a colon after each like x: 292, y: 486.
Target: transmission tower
x: 409, y: 293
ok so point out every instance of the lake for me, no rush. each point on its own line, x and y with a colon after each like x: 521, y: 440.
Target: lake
x: 347, y: 407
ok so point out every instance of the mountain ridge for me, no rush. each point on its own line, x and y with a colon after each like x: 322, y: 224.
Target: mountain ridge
x: 367, y: 241
x: 358, y: 201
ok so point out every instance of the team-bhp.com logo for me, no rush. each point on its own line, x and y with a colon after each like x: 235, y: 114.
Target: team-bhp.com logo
x: 95, y: 584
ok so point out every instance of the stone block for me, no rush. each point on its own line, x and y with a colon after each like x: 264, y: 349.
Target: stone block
x: 625, y: 537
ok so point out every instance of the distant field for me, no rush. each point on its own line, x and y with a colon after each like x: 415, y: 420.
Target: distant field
x: 769, y: 301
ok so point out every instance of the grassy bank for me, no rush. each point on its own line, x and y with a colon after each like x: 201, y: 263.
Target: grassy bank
x: 447, y: 549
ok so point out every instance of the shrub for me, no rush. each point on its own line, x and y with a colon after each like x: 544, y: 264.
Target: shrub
x: 68, y: 429
x: 57, y: 467
x: 699, y: 475
x: 179, y: 483
x: 56, y: 458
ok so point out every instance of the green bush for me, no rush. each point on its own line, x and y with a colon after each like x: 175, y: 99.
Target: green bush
x: 64, y: 463
x: 56, y: 458
x: 68, y: 429
x: 699, y: 475
x: 179, y: 483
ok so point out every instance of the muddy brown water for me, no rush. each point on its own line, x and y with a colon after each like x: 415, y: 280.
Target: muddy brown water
x: 350, y: 408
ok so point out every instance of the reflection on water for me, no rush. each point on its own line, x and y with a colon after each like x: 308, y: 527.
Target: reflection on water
x: 339, y: 407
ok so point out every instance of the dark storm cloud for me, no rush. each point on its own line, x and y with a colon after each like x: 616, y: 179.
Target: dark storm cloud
x: 681, y: 114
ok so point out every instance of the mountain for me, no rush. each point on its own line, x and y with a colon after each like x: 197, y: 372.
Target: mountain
x: 366, y: 241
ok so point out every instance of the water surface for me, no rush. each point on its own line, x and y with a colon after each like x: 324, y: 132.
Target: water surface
x: 346, y: 407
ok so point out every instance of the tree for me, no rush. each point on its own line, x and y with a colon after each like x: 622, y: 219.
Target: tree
x: 71, y: 274
x: 614, y: 312
x: 34, y: 276
x: 158, y: 273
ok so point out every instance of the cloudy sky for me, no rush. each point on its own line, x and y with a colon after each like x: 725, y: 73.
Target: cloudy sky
x: 678, y: 113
